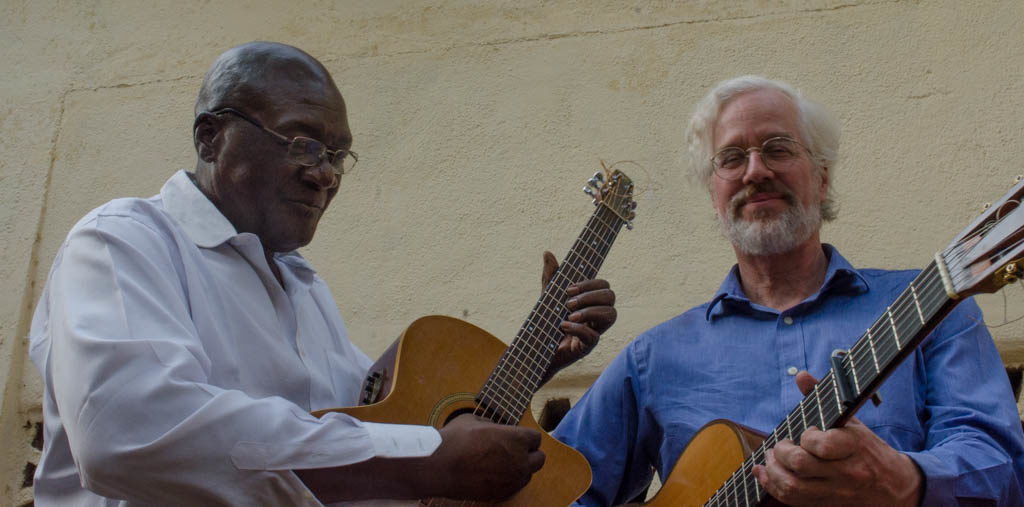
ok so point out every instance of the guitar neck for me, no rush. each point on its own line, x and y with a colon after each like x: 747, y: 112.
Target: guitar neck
x: 867, y: 364
x: 507, y: 393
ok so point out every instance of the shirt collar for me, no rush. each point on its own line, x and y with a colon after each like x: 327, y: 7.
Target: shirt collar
x: 207, y: 227
x: 840, y: 276
x: 204, y: 224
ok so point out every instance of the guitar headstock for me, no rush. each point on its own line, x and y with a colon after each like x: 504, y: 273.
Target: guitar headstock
x: 615, y: 193
x: 989, y: 253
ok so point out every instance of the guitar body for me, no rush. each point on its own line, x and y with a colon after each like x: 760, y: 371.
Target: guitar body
x: 718, y: 462
x: 433, y: 372
x: 714, y: 453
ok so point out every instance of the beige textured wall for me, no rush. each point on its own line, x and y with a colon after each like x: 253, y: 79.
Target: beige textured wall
x: 478, y: 123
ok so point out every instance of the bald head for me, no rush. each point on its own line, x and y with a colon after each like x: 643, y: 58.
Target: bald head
x: 257, y: 99
x: 250, y: 76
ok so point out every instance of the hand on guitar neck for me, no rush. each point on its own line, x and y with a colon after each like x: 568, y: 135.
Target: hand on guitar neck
x: 842, y: 466
x: 593, y: 312
x: 477, y: 459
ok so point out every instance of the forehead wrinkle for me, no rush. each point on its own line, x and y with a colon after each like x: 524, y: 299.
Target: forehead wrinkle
x: 755, y: 120
x: 331, y: 130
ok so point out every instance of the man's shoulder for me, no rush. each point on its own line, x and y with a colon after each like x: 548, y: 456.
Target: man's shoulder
x: 671, y: 328
x: 123, y: 211
x: 129, y: 220
x: 891, y: 281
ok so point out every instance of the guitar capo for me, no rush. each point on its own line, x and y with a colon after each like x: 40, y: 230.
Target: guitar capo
x: 847, y: 393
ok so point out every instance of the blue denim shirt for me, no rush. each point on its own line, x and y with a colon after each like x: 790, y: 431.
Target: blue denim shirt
x: 948, y: 406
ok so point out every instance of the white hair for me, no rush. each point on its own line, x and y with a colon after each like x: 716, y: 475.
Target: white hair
x: 819, y: 131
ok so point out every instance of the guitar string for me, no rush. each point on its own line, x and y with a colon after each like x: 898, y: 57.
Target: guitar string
x: 958, y: 251
x: 527, y: 338
x: 535, y: 382
x: 995, y: 258
x: 932, y: 300
x: 520, y: 397
x: 594, y: 264
x: 829, y: 383
x: 591, y: 264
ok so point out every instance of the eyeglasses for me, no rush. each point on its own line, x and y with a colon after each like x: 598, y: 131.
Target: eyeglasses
x: 778, y: 153
x: 304, y: 151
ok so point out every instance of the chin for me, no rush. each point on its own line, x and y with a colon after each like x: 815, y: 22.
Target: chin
x: 290, y: 242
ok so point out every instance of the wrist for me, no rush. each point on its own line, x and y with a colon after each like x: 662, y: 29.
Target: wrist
x: 907, y: 484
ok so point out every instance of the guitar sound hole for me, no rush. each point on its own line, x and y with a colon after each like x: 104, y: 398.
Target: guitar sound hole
x: 456, y: 413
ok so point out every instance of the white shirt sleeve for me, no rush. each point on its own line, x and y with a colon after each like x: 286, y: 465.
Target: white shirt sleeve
x: 131, y: 381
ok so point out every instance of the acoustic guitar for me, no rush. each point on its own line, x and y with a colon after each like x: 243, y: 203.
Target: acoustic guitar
x: 441, y: 367
x: 716, y: 467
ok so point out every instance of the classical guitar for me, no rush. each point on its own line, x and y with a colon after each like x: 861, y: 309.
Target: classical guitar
x: 716, y: 467
x: 441, y: 367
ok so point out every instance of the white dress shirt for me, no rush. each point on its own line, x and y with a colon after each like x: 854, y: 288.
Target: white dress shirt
x: 178, y: 370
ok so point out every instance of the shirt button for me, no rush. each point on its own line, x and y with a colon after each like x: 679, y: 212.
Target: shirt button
x: 792, y: 370
x: 788, y: 320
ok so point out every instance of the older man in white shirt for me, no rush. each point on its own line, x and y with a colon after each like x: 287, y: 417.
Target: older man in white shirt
x: 183, y: 341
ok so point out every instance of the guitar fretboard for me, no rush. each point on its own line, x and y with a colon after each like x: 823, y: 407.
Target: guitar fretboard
x: 867, y: 364
x: 507, y: 393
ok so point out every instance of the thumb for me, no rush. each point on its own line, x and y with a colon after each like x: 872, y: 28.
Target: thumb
x: 550, y: 266
x: 805, y: 382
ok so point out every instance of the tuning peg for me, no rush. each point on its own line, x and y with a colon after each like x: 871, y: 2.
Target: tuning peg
x: 599, y: 176
x: 593, y: 182
x: 1018, y: 178
x: 629, y: 225
x: 589, y: 191
x: 632, y: 205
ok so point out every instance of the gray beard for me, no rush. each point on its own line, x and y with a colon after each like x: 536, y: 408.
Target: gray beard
x: 771, y: 237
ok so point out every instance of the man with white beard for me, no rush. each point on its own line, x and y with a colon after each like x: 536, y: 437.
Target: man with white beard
x: 948, y: 431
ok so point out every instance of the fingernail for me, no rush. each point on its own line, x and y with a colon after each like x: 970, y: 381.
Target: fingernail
x: 572, y: 303
x: 572, y: 290
x: 575, y: 316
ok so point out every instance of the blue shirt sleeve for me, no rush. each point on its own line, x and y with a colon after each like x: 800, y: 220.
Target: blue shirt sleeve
x: 974, y: 449
x: 621, y: 469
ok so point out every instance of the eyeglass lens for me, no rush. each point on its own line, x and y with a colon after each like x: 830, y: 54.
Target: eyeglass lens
x: 778, y: 153
x: 309, y: 152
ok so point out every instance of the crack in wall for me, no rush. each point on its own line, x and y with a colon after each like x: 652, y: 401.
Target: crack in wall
x: 117, y: 86
x: 13, y: 382
x: 585, y: 33
x: 506, y: 42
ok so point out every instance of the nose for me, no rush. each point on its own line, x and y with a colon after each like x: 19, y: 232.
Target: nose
x: 756, y: 170
x: 322, y: 175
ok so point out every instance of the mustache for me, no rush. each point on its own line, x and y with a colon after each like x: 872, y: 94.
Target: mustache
x: 741, y: 198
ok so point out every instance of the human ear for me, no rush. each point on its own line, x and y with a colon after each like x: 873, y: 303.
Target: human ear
x: 823, y: 190
x: 204, y: 136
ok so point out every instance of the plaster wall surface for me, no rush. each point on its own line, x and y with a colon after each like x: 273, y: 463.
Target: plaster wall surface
x: 477, y: 124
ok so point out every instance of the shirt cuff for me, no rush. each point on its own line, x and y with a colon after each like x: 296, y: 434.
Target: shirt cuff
x: 402, y: 440
x: 939, y: 487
